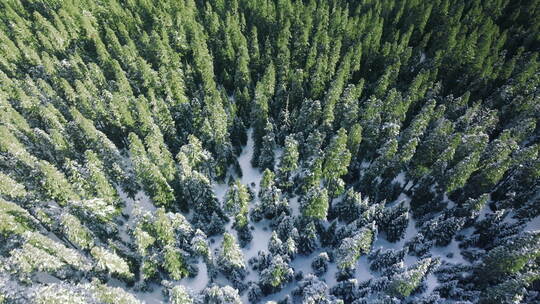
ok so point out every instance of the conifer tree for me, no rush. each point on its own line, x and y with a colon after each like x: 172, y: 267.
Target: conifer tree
x: 315, y: 203
x: 149, y: 174
x: 288, y: 163
x: 336, y: 162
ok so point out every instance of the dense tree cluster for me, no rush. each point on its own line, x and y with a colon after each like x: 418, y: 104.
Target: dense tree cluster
x: 318, y: 151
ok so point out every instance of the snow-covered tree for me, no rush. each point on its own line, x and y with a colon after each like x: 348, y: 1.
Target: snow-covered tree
x: 268, y: 145
x: 220, y: 295
x: 315, y: 203
x: 288, y: 163
x: 313, y: 290
x: 273, y: 277
x: 230, y: 260
x: 336, y: 162
x: 403, y: 284
x: 111, y: 262
x: 236, y: 204
x: 351, y: 248
x: 179, y: 295
x: 320, y: 263
x: 351, y: 206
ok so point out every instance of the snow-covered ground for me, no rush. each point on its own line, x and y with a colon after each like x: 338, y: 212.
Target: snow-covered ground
x: 533, y: 225
x: 200, y: 281
x: 262, y: 232
x: 450, y: 253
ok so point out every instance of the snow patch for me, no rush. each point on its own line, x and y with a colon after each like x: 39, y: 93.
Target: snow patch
x: 533, y: 225
x: 450, y: 253
x: 199, y: 282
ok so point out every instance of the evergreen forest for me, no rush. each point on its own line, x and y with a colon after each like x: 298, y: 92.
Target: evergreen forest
x: 269, y: 151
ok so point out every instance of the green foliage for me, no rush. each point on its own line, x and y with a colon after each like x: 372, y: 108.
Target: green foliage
x: 436, y: 101
x: 174, y: 263
x: 353, y: 247
x: 511, y: 290
x: 76, y: 232
x: 236, y: 203
x: 336, y: 162
x: 511, y: 257
x: 14, y: 219
x: 288, y: 163
x: 276, y: 275
x: 54, y: 184
x: 11, y: 189
x: 97, y: 178
x: 230, y: 256
x: 111, y: 262
x: 143, y: 240
x: 403, y: 284
x: 148, y: 173
x: 315, y: 203
x: 179, y: 295
x: 40, y: 253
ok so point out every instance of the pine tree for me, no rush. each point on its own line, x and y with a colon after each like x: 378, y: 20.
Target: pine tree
x: 336, y: 162
x: 351, y: 248
x: 395, y: 221
x: 10, y: 188
x: 288, y: 163
x: 236, y: 204
x: 179, y: 295
x: 149, y: 174
x: 99, y: 182
x: 54, y: 184
x: 320, y: 263
x: 315, y: 203
x: 351, y: 206
x: 268, y: 145
x: 275, y: 276
x: 230, y: 260
x: 457, y: 176
x: 225, y: 294
x: 510, y: 257
x: 264, y: 90
x: 432, y: 102
x: 403, y: 284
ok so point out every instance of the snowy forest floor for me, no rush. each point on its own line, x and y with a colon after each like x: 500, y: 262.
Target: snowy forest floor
x: 262, y: 232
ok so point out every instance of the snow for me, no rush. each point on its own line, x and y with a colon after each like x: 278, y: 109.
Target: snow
x: 449, y: 203
x: 261, y: 236
x: 199, y: 282
x: 362, y: 269
x: 278, y: 153
x: 485, y: 210
x: 250, y: 176
x: 533, y: 225
x: 410, y: 232
x: 330, y: 275
x: 43, y: 277
x: 400, y: 178
x: 151, y: 297
x: 432, y: 282
x: 364, y: 164
x: 220, y: 190
x: 452, y: 248
x: 262, y: 233
x: 409, y: 260
x: 295, y: 206
x: 141, y: 203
